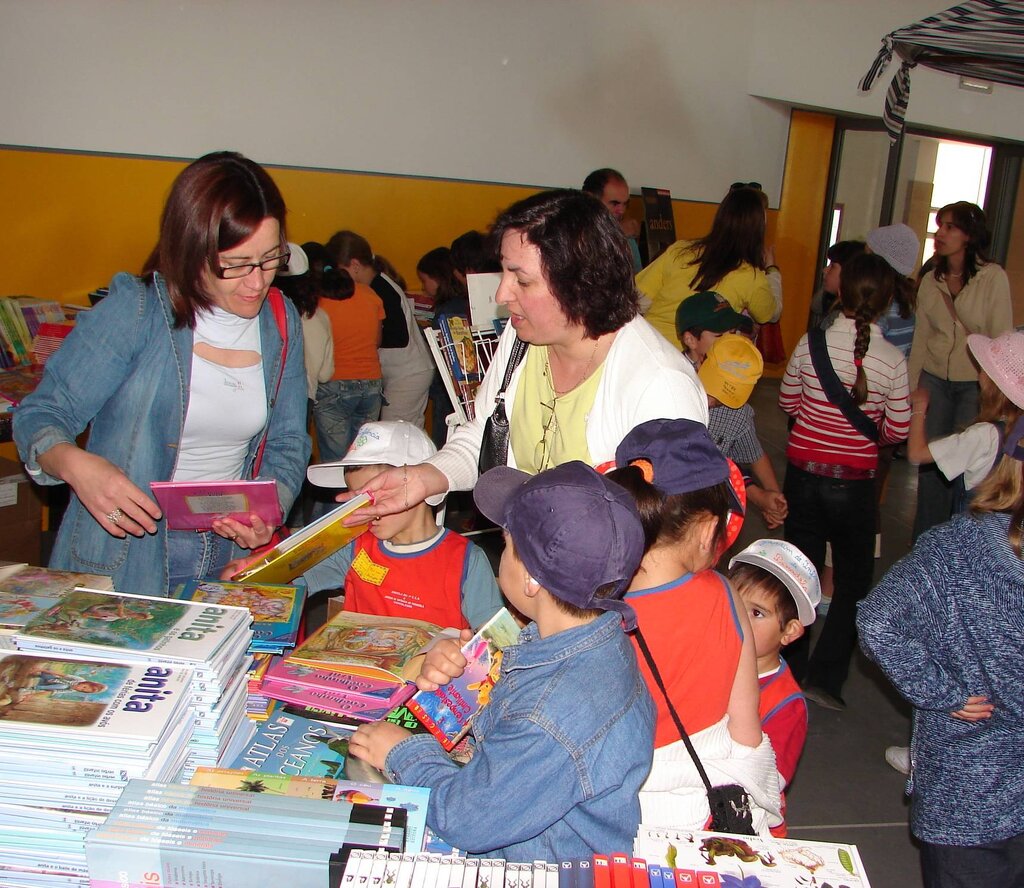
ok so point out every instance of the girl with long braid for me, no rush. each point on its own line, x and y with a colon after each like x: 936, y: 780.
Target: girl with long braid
x: 846, y: 389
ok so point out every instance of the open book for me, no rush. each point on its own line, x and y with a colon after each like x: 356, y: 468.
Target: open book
x: 296, y: 554
x: 389, y: 649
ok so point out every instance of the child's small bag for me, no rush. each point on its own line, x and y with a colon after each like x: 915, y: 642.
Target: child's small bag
x: 730, y: 803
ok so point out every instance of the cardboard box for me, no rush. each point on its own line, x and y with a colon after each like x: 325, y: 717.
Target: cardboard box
x: 21, y: 510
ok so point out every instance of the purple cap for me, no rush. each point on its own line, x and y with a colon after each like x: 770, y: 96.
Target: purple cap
x: 573, y: 529
x: 682, y: 456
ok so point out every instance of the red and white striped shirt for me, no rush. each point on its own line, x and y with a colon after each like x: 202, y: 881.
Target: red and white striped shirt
x: 821, y: 433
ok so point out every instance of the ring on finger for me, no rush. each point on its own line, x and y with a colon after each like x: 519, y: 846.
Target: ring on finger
x: 115, y: 516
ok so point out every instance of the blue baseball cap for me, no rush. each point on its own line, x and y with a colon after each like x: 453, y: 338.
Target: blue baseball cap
x: 573, y: 529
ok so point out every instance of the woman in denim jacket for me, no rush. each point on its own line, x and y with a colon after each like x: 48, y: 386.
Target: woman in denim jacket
x: 178, y: 375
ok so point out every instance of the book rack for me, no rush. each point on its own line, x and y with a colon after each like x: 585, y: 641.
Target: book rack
x: 450, y: 357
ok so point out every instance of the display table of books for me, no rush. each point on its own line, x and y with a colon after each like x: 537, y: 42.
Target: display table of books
x: 127, y: 759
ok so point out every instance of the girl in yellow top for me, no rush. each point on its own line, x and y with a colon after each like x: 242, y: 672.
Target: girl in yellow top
x: 731, y: 259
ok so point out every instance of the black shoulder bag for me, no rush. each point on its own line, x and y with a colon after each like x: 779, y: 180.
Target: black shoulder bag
x: 494, y: 446
x: 729, y: 803
x: 834, y: 389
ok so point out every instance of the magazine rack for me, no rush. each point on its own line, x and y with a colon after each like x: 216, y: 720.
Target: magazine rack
x: 449, y: 358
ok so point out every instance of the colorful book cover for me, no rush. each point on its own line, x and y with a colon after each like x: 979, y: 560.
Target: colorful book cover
x: 31, y: 590
x: 360, y: 708
x: 193, y: 505
x: 299, y: 552
x: 287, y: 744
x: 765, y: 861
x: 448, y: 711
x: 386, y: 648
x: 413, y: 799
x: 276, y: 609
x: 87, y: 620
x: 465, y: 367
x: 284, y: 671
x: 89, y: 700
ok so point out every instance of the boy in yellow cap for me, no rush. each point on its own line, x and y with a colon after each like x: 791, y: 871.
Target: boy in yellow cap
x: 729, y: 371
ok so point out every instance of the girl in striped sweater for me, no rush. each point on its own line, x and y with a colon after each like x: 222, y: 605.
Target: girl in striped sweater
x: 833, y: 457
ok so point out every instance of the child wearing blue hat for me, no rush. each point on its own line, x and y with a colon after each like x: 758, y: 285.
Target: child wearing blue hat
x: 557, y: 768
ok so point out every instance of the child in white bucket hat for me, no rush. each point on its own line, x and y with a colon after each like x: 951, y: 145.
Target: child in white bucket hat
x: 780, y: 589
x: 970, y: 454
x: 404, y: 565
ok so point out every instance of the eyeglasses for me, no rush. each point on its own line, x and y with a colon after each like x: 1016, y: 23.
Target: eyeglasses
x: 737, y: 185
x: 231, y: 272
x: 542, y: 453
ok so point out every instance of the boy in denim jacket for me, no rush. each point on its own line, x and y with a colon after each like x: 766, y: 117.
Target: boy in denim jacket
x: 566, y: 741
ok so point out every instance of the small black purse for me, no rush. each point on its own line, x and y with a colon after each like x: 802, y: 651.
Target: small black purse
x: 729, y: 803
x: 494, y: 446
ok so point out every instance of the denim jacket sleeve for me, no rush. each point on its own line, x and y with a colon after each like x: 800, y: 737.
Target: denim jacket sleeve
x: 83, y: 374
x: 288, y: 445
x: 488, y: 803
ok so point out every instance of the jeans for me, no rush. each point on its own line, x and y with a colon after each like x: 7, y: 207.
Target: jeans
x: 840, y: 512
x: 192, y: 555
x: 342, y: 406
x: 952, y: 407
x: 995, y: 863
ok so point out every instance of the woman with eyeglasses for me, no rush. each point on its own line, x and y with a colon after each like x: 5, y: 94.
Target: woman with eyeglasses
x: 592, y: 370
x: 962, y: 293
x: 731, y: 260
x: 181, y: 374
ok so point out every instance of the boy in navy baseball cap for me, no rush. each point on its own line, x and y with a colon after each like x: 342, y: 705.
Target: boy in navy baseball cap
x: 569, y: 760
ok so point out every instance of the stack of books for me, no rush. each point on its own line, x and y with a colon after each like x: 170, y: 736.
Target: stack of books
x: 72, y: 732
x: 178, y: 836
x: 48, y: 339
x: 413, y: 799
x: 258, y: 705
x: 212, y: 641
x: 276, y: 609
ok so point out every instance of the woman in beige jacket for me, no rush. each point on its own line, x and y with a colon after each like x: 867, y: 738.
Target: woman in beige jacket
x: 963, y: 293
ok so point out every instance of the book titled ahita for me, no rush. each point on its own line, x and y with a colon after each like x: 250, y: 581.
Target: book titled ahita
x: 384, y: 648
x: 276, y: 609
x: 113, y: 625
x: 448, y: 711
x: 299, y: 552
x: 194, y: 505
x: 26, y: 590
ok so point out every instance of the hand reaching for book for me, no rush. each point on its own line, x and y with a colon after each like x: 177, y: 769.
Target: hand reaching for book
x: 118, y: 506
x: 443, y: 662
x: 373, y: 741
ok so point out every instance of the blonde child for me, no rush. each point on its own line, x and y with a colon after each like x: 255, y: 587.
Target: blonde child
x: 780, y: 589
x: 404, y: 565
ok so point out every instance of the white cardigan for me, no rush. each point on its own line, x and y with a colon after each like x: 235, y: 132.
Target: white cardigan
x: 644, y: 377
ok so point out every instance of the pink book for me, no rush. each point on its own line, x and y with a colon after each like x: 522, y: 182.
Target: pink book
x: 283, y: 671
x: 193, y: 505
x: 362, y: 708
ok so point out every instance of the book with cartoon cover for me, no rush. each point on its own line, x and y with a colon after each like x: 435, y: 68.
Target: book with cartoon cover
x: 384, y: 648
x: 296, y: 554
x: 26, y: 590
x: 765, y: 861
x: 276, y: 609
x: 284, y: 671
x: 448, y: 711
x: 88, y: 700
x: 109, y: 625
x: 362, y: 709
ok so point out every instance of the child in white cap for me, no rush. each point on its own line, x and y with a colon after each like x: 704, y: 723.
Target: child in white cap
x: 404, y: 565
x: 780, y: 589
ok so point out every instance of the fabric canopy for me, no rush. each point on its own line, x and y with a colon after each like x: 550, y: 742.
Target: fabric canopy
x: 978, y: 38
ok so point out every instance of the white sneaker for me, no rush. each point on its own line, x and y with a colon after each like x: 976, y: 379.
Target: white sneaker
x: 898, y: 757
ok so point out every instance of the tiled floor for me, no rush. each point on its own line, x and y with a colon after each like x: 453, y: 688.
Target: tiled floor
x: 843, y: 789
